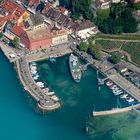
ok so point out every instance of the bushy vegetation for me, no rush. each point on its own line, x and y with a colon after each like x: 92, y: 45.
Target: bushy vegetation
x: 115, y: 58
x: 91, y: 48
x: 96, y: 52
x: 16, y: 41
x: 120, y: 19
x: 84, y: 46
x: 136, y: 6
x: 1, y: 35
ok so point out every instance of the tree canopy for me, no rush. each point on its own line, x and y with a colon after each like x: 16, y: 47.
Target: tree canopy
x: 1, y: 35
x: 78, y: 8
x: 120, y: 20
x: 16, y: 41
x: 115, y: 58
x: 83, y: 46
x: 96, y: 51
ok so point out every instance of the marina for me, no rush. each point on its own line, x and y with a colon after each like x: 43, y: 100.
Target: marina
x: 113, y: 76
x: 76, y: 102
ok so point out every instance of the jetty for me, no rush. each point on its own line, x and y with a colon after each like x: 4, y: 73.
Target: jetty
x: 44, y: 101
x: 115, y: 77
x: 126, y: 85
x: 116, y: 110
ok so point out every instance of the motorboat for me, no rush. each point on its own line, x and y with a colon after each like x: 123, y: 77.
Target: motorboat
x: 109, y: 83
x: 124, y: 96
x: 40, y: 84
x: 130, y: 99
x: 113, y: 87
x: 55, y: 98
x: 118, y: 93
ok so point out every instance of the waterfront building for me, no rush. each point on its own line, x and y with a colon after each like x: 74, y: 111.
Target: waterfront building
x: 84, y: 29
x: 59, y: 36
x: 135, y: 78
x: 37, y: 38
x: 121, y: 67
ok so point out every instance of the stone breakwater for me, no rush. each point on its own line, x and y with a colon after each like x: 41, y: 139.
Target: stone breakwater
x: 44, y: 102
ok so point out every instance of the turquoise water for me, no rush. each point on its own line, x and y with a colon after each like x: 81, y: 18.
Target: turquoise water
x: 19, y: 120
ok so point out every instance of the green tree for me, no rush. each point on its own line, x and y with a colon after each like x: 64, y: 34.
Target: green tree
x: 79, y: 8
x: 115, y: 58
x: 1, y: 35
x: 120, y: 20
x: 83, y: 46
x: 16, y: 41
x: 136, y: 6
x: 96, y: 52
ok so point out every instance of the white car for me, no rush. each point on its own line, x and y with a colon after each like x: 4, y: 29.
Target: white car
x: 74, y: 43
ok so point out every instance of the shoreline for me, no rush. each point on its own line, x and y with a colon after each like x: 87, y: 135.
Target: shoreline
x: 49, y: 104
x: 44, y: 102
x: 33, y: 90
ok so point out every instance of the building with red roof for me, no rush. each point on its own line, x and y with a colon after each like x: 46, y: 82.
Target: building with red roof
x: 37, y: 38
x: 9, y: 10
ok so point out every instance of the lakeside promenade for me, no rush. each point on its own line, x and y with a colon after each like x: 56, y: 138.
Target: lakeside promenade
x: 44, y: 101
x: 126, y: 85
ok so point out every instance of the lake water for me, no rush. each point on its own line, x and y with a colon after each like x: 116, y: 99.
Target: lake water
x: 19, y: 120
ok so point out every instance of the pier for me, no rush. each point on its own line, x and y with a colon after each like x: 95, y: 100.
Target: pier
x: 84, y: 67
x: 44, y: 103
x: 44, y: 99
x: 115, y: 111
x: 126, y: 85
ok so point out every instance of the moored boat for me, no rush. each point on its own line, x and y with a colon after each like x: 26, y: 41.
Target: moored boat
x: 124, y: 96
x: 75, y: 68
x: 130, y: 99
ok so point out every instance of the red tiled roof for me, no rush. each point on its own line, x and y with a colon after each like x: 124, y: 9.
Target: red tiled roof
x: 9, y: 6
x: 32, y: 2
x: 19, y: 12
x: 47, y: 7
x: 62, y: 9
x: 17, y: 30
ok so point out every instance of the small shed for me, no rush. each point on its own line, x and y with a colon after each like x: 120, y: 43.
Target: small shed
x: 121, y: 67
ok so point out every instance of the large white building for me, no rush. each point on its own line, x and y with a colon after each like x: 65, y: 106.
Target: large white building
x: 84, y: 29
x: 59, y: 36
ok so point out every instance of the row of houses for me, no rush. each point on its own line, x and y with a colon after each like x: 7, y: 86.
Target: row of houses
x: 48, y: 27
